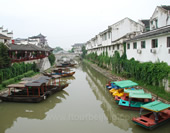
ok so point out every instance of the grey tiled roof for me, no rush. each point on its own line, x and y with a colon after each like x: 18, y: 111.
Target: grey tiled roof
x: 48, y: 48
x: 4, y: 37
x: 22, y: 47
x: 166, y: 7
x: 146, y: 22
x: 159, y: 31
x: 78, y: 44
x: 38, y: 36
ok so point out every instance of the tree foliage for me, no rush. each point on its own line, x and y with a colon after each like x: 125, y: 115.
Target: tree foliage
x: 15, y: 70
x: 5, y: 60
x: 51, y: 58
x: 57, y: 49
x: 148, y: 72
x: 84, y: 52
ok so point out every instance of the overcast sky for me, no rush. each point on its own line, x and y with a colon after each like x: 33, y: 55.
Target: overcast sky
x: 66, y: 22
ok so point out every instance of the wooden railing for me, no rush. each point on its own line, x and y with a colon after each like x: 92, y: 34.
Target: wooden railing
x: 27, y: 59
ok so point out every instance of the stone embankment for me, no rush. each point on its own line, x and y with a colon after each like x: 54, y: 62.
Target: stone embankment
x: 110, y: 76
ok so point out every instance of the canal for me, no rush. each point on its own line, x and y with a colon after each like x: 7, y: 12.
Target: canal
x: 85, y: 106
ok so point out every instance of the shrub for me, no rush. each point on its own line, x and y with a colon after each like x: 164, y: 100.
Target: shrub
x: 7, y: 82
x: 51, y: 58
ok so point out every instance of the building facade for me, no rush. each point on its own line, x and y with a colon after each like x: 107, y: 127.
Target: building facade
x: 39, y: 40
x: 112, y: 39
x: 78, y: 48
x: 153, y: 45
x: 5, y: 36
x: 146, y: 40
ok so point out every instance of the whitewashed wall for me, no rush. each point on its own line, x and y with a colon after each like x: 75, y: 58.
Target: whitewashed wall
x: 162, y: 16
x: 145, y: 56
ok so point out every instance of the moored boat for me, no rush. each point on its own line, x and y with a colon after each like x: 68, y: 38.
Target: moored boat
x: 135, y: 101
x: 126, y: 94
x: 34, y: 91
x: 159, y: 115
x: 116, y: 88
x: 63, y: 72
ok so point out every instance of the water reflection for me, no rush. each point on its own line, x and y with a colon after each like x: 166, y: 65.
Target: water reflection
x: 115, y: 115
x: 27, y: 110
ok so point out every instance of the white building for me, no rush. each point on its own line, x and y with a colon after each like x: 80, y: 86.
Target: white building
x: 112, y: 39
x: 39, y: 40
x: 5, y: 36
x: 153, y: 45
x: 20, y: 41
x: 78, y: 48
x: 160, y: 17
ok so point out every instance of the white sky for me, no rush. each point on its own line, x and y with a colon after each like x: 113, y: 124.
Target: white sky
x: 66, y: 22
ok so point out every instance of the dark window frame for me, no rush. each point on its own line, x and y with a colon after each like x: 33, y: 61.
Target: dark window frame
x: 168, y: 42
x: 128, y: 46
x: 143, y: 44
x: 135, y: 45
x: 154, y: 43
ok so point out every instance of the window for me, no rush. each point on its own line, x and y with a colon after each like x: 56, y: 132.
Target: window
x: 128, y: 46
x: 118, y: 46
x: 108, y: 35
x: 154, y: 43
x: 113, y: 47
x: 134, y: 45
x: 105, y: 36
x: 109, y: 47
x: 168, y: 41
x: 156, y: 23
x: 142, y: 44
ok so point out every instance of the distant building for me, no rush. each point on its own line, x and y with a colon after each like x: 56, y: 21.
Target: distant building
x: 78, y: 48
x: 5, y: 36
x: 20, y: 41
x: 39, y: 40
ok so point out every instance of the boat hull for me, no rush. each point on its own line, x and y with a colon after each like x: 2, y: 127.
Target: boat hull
x: 153, y: 126
x: 32, y: 99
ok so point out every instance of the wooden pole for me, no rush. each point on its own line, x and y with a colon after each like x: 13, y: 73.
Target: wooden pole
x: 59, y: 82
x: 9, y: 91
x: 39, y: 91
x: 27, y: 92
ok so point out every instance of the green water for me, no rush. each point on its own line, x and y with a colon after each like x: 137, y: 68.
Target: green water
x: 85, y: 106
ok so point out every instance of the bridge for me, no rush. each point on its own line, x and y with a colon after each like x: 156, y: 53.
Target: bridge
x: 65, y: 54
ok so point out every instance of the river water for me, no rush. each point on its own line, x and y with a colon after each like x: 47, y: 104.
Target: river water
x: 85, y: 106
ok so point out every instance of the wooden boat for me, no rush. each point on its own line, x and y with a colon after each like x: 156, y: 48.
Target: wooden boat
x: 63, y: 72
x: 126, y: 94
x: 34, y: 91
x: 135, y: 101
x: 65, y: 65
x: 159, y: 115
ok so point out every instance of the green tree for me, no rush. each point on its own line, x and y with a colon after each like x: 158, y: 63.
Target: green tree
x: 5, y: 60
x: 51, y: 58
x: 84, y: 52
x: 57, y: 49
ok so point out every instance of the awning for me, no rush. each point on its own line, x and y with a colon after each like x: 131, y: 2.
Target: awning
x: 133, y: 91
x: 125, y: 83
x: 156, y: 106
x: 140, y: 95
